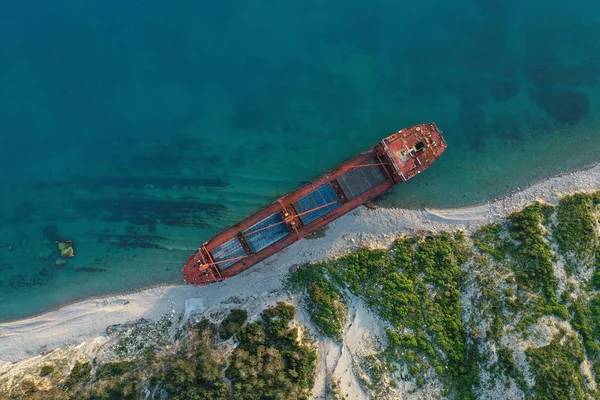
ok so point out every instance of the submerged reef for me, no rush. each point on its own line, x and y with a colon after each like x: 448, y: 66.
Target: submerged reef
x: 566, y: 106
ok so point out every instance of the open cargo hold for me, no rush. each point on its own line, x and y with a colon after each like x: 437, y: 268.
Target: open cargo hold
x: 394, y: 160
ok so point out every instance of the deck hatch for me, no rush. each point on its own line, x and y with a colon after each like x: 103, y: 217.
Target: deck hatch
x: 230, y: 249
x: 359, y: 180
x: 266, y: 237
x: 318, y: 198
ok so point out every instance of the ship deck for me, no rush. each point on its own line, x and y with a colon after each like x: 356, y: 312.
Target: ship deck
x: 315, y: 204
x: 309, y: 208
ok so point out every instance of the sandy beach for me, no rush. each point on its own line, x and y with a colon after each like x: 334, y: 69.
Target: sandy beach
x: 86, y: 321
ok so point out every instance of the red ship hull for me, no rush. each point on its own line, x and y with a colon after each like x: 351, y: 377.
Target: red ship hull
x: 392, y: 161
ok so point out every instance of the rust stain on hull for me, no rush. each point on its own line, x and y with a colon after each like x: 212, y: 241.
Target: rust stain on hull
x: 394, y: 160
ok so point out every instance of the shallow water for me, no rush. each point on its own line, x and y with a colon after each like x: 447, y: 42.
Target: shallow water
x: 141, y: 128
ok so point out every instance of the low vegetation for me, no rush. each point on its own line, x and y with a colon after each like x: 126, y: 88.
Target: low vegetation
x: 419, y: 287
x: 415, y: 287
x: 576, y: 231
x: 532, y: 263
x: 529, y: 248
x: 326, y: 305
x: 269, y: 361
x: 80, y: 373
x: 557, y: 369
x: 233, y: 323
x: 46, y: 370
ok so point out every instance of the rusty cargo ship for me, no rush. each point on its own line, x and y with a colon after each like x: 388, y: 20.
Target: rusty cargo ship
x: 396, y: 159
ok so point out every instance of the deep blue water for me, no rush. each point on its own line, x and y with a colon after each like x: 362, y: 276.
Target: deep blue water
x: 141, y: 128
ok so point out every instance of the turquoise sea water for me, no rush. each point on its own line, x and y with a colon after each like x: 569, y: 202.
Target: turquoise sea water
x: 141, y: 128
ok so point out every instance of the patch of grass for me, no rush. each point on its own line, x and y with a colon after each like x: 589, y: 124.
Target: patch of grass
x: 142, y: 337
x: 581, y: 323
x: 327, y: 307
x: 533, y: 253
x: 531, y: 261
x: 575, y: 232
x: 81, y: 372
x: 114, y: 369
x: 122, y: 387
x: 506, y: 359
x: 46, y: 369
x: 596, y: 277
x: 427, y: 301
x: 556, y: 369
x: 490, y: 302
x: 593, y: 313
x: 488, y: 239
x: 205, y: 325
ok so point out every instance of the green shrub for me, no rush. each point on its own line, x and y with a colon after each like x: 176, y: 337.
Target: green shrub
x: 488, y: 239
x: 205, y: 325
x: 556, y: 369
x: 181, y: 379
x: 594, y: 313
x: 581, y: 323
x: 233, y: 323
x: 81, y: 372
x: 46, y: 369
x: 270, y: 362
x: 596, y: 277
x: 196, y: 371
x: 327, y: 307
x: 531, y: 260
x: 575, y: 232
x: 506, y: 359
x: 122, y: 388
x: 114, y: 369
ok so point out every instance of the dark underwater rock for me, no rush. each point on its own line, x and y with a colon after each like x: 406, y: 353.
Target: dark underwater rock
x: 87, y: 269
x: 502, y: 90
x: 566, y: 106
x: 51, y: 232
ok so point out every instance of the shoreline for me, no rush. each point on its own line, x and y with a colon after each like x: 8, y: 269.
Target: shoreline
x: 512, y: 192
x: 90, y: 298
x: 508, y: 194
x: 86, y: 319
